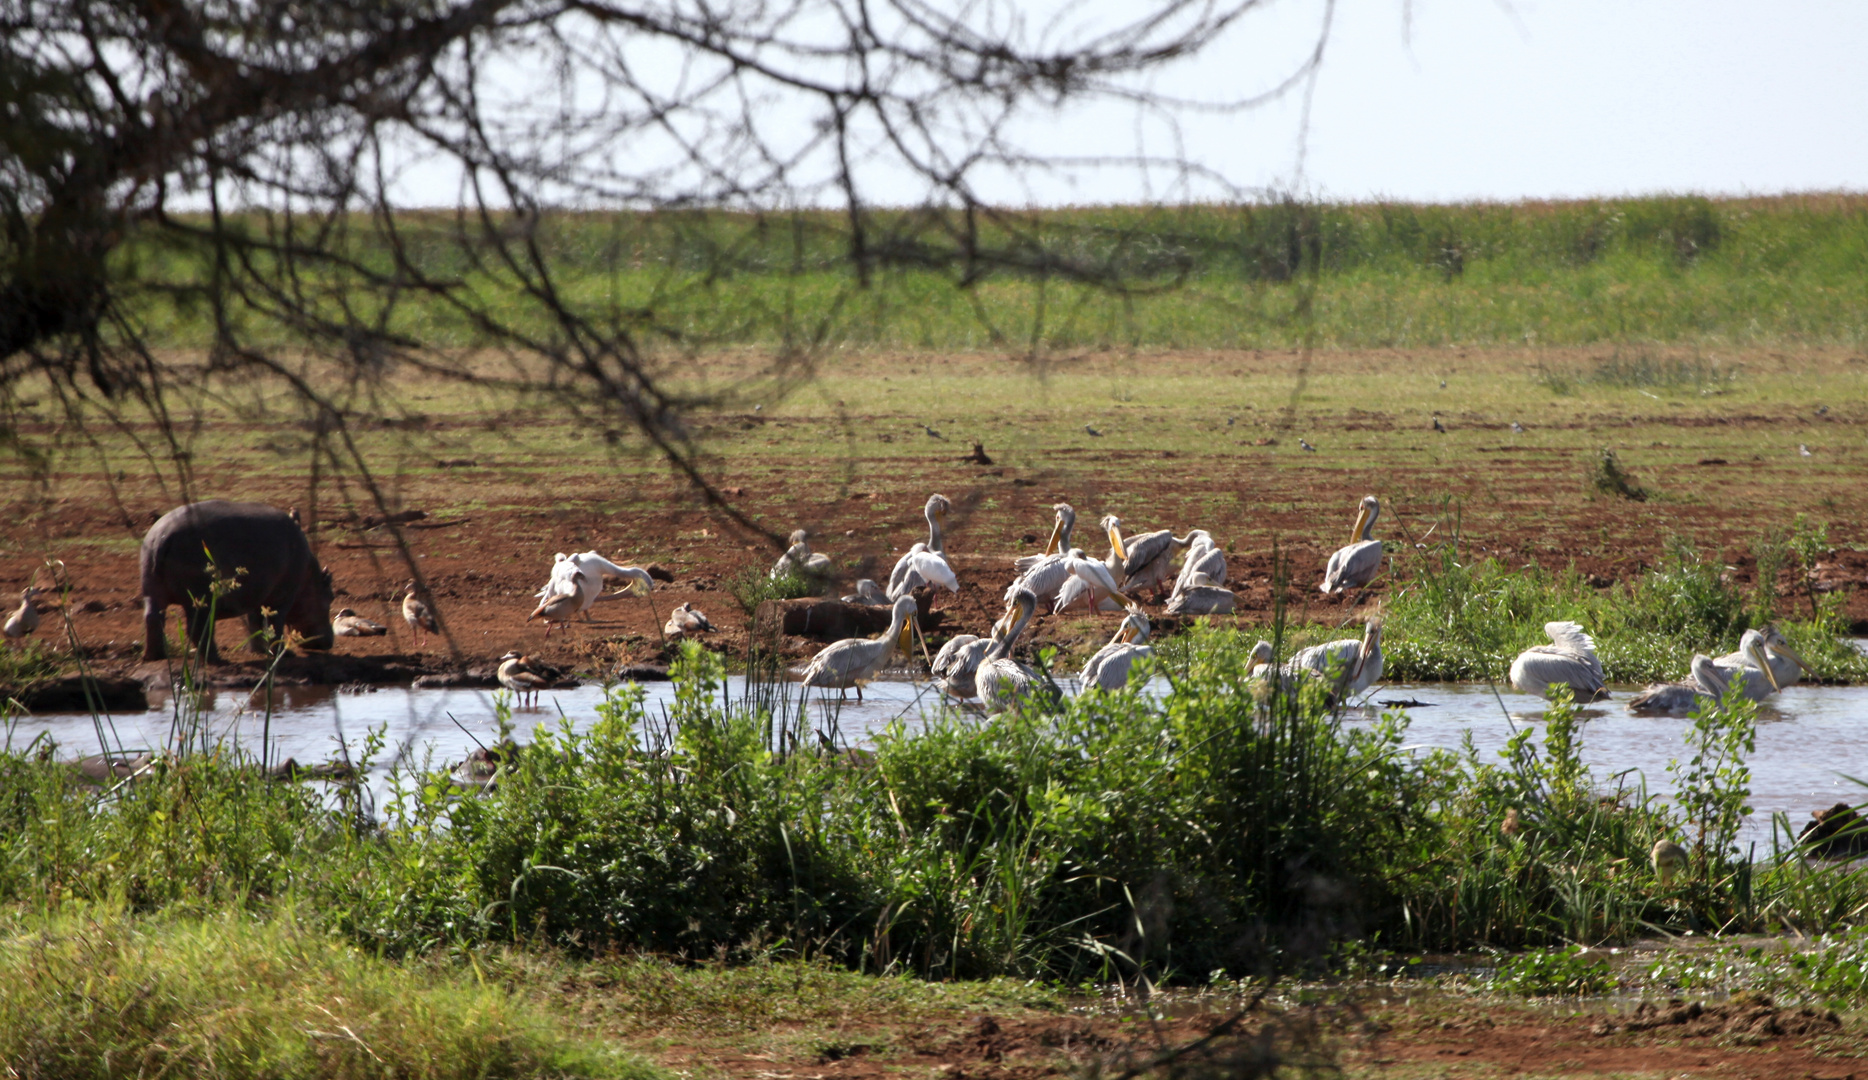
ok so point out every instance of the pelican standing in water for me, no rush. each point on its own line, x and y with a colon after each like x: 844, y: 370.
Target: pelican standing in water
x: 1569, y: 658
x: 1109, y: 668
x: 1353, y: 665
x: 1147, y: 558
x: 1002, y: 681
x: 1354, y: 566
x: 1044, y: 575
x: 855, y: 661
x: 958, y: 662
x: 1786, y: 668
x: 1704, y: 681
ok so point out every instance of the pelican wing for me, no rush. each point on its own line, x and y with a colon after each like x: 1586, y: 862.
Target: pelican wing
x: 902, y: 566
x: 1206, y: 559
x: 1145, y: 550
x: 1042, y: 580
x: 846, y: 663
x: 950, y: 654
x: 924, y: 568
x: 1353, y: 566
x: 1536, y: 670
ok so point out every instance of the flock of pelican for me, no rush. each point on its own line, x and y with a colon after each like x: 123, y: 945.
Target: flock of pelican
x: 1064, y: 576
x: 1763, y: 664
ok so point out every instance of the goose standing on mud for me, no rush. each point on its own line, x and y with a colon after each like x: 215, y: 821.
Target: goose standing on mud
x: 1353, y: 665
x: 1354, y: 566
x: 1002, y: 681
x: 855, y: 661
x: 1704, y: 681
x: 1785, y: 667
x: 1109, y: 668
x: 1569, y: 658
x: 1045, y: 574
x: 25, y: 618
x: 418, y: 615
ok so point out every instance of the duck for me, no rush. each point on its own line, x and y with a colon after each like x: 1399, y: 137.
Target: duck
x: 347, y: 623
x: 419, y: 616
x: 687, y: 619
x: 524, y: 677
x: 558, y: 609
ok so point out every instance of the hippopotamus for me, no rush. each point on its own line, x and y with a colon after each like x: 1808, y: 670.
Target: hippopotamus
x: 276, y: 583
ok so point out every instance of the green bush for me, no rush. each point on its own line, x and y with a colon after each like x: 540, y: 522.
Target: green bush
x: 1568, y: 972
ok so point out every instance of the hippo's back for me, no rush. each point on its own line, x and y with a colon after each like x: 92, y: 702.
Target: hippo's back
x: 261, y: 539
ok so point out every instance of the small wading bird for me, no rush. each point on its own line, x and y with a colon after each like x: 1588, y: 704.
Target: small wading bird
x: 25, y: 618
x: 558, y: 609
x: 347, y: 623
x: 588, y: 589
x: 1570, y: 658
x: 1046, y: 573
x: 418, y: 615
x: 1355, y: 565
x: 855, y: 661
x: 1704, y: 681
x: 1669, y: 859
x: 1109, y: 668
x: 686, y: 619
x: 1304, y: 445
x: 525, y: 677
x: 1350, y: 665
x: 1002, y: 681
x: 800, y: 560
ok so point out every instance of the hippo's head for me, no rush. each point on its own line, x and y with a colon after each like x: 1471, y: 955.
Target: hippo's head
x: 311, y: 616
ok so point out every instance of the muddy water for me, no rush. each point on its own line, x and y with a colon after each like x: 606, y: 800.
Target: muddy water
x: 1810, y: 738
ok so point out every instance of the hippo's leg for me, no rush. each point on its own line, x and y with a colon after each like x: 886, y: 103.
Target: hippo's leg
x: 155, y: 647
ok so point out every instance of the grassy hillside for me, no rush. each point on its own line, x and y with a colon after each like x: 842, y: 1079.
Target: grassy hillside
x: 1671, y: 269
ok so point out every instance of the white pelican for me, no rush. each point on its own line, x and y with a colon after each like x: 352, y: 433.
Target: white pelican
x: 936, y: 513
x: 1203, y: 557
x: 1002, y: 681
x: 347, y: 623
x: 958, y: 662
x: 868, y: 594
x: 1704, y: 680
x: 1199, y: 596
x: 1109, y: 668
x: 1044, y: 575
x: 1356, y: 565
x: 799, y: 560
x: 25, y: 618
x: 588, y: 589
x: 686, y: 619
x: 854, y: 661
x: 1786, y: 668
x: 1353, y: 665
x: 924, y: 567
x: 1092, y: 579
x: 517, y: 674
x: 1147, y: 559
x: 417, y: 614
x: 1570, y: 658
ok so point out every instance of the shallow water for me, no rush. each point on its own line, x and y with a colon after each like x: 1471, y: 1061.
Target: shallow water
x: 1810, y: 738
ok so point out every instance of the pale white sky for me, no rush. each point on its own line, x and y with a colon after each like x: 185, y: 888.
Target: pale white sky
x: 1470, y: 99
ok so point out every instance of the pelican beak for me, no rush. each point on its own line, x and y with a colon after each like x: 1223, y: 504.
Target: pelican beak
x: 1115, y: 541
x: 1362, y: 521
x: 907, y: 643
x: 1764, y: 664
x: 1125, y: 601
x: 1057, y: 533
x: 1786, y: 650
